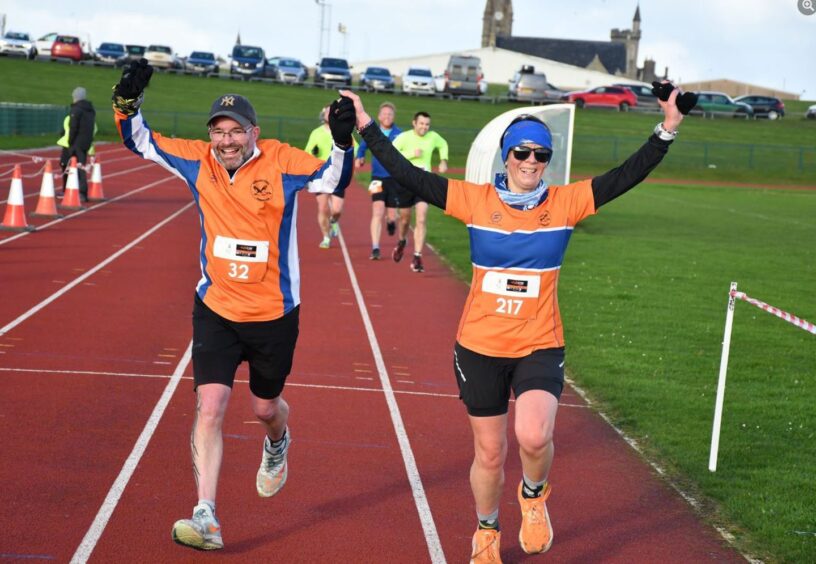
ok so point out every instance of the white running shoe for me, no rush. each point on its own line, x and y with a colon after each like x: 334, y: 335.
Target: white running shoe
x: 203, y: 531
x: 274, y: 469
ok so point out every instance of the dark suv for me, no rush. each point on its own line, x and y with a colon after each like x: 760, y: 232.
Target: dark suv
x: 334, y: 71
x: 764, y: 106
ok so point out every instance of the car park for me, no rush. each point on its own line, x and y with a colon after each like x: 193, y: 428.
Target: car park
x: 610, y: 96
x: 719, y: 103
x: 17, y: 43
x: 111, y: 53
x: 377, y: 79
x: 67, y: 47
x: 249, y: 62
x: 161, y: 57
x: 530, y: 86
x: 44, y: 43
x: 645, y: 98
x: 134, y: 53
x: 333, y: 71
x: 463, y: 76
x: 418, y: 80
x: 770, y: 107
x: 201, y: 62
x: 290, y: 70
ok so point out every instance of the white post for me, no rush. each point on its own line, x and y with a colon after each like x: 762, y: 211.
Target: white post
x: 718, y: 407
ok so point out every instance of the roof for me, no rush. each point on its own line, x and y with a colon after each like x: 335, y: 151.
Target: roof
x: 577, y: 52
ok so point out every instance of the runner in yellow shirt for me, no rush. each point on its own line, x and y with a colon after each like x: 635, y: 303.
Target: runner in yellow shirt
x: 418, y: 146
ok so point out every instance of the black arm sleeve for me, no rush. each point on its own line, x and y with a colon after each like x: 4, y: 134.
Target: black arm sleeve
x: 620, y: 180
x: 430, y: 187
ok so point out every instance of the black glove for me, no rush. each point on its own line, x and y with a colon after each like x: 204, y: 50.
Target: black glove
x: 342, y: 119
x: 685, y: 101
x: 128, y: 93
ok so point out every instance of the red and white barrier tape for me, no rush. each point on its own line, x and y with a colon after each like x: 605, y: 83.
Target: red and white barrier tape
x: 790, y: 318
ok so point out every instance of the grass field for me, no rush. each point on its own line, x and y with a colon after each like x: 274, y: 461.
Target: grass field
x: 644, y: 287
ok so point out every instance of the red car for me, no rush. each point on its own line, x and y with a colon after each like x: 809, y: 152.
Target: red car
x: 67, y: 47
x: 615, y: 96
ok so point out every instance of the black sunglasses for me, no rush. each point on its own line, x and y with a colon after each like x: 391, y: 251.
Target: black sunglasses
x: 523, y: 153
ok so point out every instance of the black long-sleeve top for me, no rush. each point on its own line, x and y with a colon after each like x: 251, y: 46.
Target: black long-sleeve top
x: 434, y: 188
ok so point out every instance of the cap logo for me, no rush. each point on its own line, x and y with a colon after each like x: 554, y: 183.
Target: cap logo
x: 228, y: 101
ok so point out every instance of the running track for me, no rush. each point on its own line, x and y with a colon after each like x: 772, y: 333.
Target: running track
x: 96, y: 407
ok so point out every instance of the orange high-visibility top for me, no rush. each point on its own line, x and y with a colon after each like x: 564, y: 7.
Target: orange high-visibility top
x: 248, y: 253
x: 512, y: 308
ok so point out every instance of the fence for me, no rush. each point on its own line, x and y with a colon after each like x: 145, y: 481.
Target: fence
x: 31, y: 119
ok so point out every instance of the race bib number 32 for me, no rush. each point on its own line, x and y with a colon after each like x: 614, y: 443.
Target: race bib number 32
x: 240, y: 260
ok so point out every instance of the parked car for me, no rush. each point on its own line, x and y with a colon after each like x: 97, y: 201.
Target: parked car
x: 162, y: 57
x: 720, y: 103
x: 530, y: 86
x: 463, y: 75
x: 44, y: 43
x: 645, y: 98
x: 133, y: 53
x: 111, y: 53
x: 67, y: 47
x: 248, y: 61
x: 418, y: 80
x: 763, y: 106
x: 331, y: 70
x: 615, y: 96
x: 201, y: 62
x: 811, y: 112
x: 17, y: 43
x: 377, y: 78
x: 290, y: 70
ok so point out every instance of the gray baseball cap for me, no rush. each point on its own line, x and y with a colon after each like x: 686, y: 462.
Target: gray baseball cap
x: 233, y: 106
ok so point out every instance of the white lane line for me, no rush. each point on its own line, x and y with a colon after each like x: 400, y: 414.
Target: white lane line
x: 83, y: 552
x: 420, y: 499
x: 80, y: 212
x: 95, y: 269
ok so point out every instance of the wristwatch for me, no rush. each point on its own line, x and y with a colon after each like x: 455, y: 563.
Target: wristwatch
x: 664, y: 133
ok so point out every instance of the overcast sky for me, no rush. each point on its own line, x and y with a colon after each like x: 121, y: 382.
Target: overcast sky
x: 764, y: 42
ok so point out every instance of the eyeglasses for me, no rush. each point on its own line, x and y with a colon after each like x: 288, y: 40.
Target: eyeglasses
x: 237, y: 133
x: 523, y: 153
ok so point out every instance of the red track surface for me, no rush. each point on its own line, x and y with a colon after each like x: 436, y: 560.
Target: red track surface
x: 81, y: 376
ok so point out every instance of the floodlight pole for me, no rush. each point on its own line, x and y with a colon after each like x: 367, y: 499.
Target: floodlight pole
x: 324, y: 26
x: 718, y: 406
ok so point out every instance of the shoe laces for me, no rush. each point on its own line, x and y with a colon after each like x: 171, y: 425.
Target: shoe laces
x: 535, y: 510
x: 486, y: 549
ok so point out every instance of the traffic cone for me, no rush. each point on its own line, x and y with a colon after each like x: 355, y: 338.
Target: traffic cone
x: 15, y: 219
x: 95, y: 193
x: 47, y: 206
x: 70, y: 199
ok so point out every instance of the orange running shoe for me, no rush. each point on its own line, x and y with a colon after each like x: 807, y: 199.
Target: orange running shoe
x: 485, y: 547
x: 536, y: 534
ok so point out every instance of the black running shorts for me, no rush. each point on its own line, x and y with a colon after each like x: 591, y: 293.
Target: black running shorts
x: 399, y: 197
x: 220, y: 345
x: 485, y: 381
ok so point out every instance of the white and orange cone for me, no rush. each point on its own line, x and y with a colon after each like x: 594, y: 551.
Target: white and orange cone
x: 70, y: 199
x: 95, y: 193
x: 14, y: 219
x: 47, y: 205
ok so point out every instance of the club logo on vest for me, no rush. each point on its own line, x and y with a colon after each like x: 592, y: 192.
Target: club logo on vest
x: 544, y: 218
x: 495, y: 217
x: 261, y: 190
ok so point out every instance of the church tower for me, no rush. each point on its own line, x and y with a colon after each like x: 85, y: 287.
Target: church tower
x: 497, y: 21
x: 631, y: 39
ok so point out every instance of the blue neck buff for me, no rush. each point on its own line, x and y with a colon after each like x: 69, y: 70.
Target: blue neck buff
x: 523, y: 201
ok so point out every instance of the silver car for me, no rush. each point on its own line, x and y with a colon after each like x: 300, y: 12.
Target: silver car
x: 290, y: 70
x: 418, y: 80
x: 17, y: 43
x: 529, y: 86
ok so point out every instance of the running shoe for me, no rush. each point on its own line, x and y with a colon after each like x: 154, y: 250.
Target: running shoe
x: 274, y: 469
x: 335, y: 229
x: 416, y: 264
x: 399, y: 250
x: 485, y: 547
x: 536, y: 534
x: 391, y: 227
x: 202, y: 532
x: 375, y: 254
x: 325, y: 243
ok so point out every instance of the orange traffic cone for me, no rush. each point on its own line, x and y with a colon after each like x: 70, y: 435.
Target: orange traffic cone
x: 15, y: 220
x: 70, y: 199
x: 95, y: 193
x: 47, y: 206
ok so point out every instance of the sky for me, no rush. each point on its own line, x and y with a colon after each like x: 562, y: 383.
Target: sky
x: 769, y: 43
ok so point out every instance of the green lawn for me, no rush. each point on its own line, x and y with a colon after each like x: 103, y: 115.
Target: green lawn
x: 644, y: 287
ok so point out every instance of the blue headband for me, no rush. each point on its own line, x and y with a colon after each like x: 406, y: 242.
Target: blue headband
x: 523, y: 132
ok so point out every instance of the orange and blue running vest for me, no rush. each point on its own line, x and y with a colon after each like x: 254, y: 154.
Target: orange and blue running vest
x: 248, y: 253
